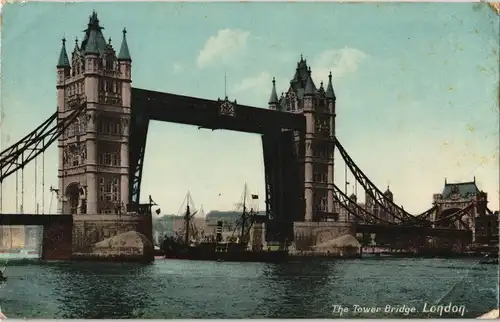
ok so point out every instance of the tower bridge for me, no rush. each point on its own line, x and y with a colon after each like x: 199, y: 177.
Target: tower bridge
x: 101, y: 127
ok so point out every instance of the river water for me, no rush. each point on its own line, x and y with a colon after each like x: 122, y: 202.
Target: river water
x: 189, y: 289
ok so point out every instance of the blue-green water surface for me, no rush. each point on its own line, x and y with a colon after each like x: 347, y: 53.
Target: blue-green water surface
x: 191, y: 289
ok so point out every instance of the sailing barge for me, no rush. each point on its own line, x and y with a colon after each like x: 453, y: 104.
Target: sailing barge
x: 214, y: 248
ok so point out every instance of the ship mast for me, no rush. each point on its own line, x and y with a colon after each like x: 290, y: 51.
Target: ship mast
x: 187, y: 218
x: 244, y: 215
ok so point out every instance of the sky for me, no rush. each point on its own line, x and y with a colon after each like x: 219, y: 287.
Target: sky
x: 417, y: 88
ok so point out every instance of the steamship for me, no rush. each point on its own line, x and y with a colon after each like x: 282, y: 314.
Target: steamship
x: 214, y: 248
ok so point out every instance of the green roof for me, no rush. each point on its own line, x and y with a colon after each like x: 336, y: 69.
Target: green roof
x: 63, y: 56
x: 93, y: 41
x: 329, y: 89
x: 274, y: 97
x: 463, y: 189
x: 124, y: 52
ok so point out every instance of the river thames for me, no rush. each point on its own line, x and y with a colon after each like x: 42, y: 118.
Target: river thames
x: 189, y: 289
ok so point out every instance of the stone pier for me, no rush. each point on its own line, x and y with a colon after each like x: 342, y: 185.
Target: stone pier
x: 113, y: 238
x: 308, y: 234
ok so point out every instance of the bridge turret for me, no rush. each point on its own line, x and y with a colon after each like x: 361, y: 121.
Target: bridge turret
x: 308, y: 108
x: 93, y: 178
x: 76, y: 60
x: 330, y: 93
x: 310, y: 89
x: 63, y: 66
x: 273, y: 99
x: 388, y: 194
x: 63, y: 72
x: 125, y: 62
x: 353, y: 198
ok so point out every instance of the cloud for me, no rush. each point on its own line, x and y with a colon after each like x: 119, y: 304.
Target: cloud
x: 256, y: 90
x: 259, y: 83
x: 222, y: 47
x: 339, y: 61
x: 178, y: 67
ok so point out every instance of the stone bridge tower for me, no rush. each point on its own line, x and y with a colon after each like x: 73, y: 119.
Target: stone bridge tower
x: 93, y: 151
x: 457, y: 196
x: 318, y: 107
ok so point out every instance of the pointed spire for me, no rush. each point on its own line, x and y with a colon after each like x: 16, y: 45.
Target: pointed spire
x: 310, y: 89
x: 92, y: 48
x: 124, y: 54
x: 274, y: 97
x: 329, y: 90
x: 63, y: 56
x: 77, y: 48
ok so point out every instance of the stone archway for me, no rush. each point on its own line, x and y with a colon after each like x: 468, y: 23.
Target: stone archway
x: 73, y: 196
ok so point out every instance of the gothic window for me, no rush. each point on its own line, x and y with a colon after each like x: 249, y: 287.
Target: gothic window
x: 322, y: 105
x: 115, y: 189
x: 71, y: 130
x: 107, y: 158
x: 75, y: 160
x: 78, y: 127
x: 319, y: 177
x: 109, y: 189
x: 291, y: 101
x: 99, y: 126
x: 114, y: 159
x: 109, y: 62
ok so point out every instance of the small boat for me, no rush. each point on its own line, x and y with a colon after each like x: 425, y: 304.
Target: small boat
x: 491, y: 258
x: 3, y: 278
x: 213, y: 248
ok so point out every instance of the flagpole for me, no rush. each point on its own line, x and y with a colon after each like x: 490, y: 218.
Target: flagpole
x: 345, y: 178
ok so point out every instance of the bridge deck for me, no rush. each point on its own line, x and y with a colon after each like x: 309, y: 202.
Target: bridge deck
x: 32, y: 220
x: 201, y: 112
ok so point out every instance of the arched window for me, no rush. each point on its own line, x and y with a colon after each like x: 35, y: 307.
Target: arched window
x: 291, y: 101
x: 109, y: 62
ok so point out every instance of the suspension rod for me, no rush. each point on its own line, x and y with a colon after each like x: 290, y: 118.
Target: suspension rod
x: 17, y: 193
x: 354, y: 209
x: 36, y: 183
x: 22, y: 185
x: 43, y: 179
x: 15, y: 147
x: 458, y: 214
x: 383, y: 201
x: 9, y: 165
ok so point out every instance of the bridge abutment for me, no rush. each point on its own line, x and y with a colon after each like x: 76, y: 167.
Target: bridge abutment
x: 98, y: 237
x: 90, y: 233
x: 308, y: 234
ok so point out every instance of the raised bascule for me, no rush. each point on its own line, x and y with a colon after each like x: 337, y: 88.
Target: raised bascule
x: 101, y: 126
